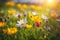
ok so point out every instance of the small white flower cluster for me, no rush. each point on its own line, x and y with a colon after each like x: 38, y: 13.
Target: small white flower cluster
x: 21, y: 23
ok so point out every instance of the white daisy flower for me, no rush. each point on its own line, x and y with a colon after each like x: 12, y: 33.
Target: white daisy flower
x: 34, y: 13
x: 21, y: 23
x: 44, y: 17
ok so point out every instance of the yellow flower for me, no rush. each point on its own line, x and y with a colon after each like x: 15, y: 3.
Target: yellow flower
x: 19, y: 5
x: 28, y: 26
x: 2, y: 24
x: 37, y: 19
x: 25, y: 6
x: 38, y: 8
x: 12, y: 12
x: 33, y: 6
x: 31, y: 16
x: 10, y: 31
x: 10, y: 3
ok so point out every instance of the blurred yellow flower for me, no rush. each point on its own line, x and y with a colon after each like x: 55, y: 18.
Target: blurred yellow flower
x: 12, y: 12
x: 10, y: 31
x: 35, y: 18
x: 2, y: 24
x: 38, y: 8
x: 10, y: 3
x: 31, y: 16
x: 19, y: 5
x: 24, y: 6
x: 28, y: 26
x: 33, y: 6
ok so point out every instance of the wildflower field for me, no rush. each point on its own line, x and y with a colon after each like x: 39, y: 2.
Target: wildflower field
x: 28, y: 22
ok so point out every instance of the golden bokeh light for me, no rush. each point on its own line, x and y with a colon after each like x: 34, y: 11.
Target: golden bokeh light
x: 50, y: 3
